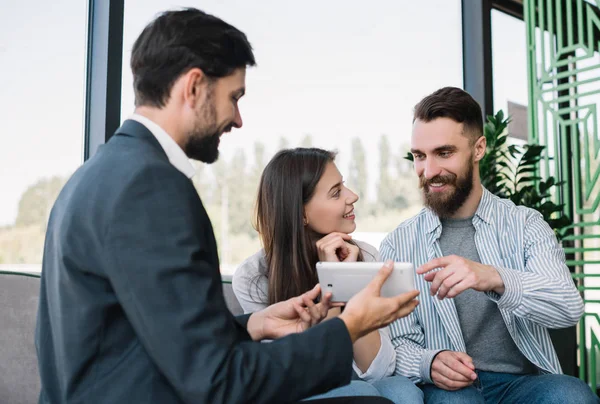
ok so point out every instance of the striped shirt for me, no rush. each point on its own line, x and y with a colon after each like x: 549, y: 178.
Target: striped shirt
x: 539, y: 292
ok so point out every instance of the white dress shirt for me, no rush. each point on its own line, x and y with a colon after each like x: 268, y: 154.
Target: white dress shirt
x: 175, y: 154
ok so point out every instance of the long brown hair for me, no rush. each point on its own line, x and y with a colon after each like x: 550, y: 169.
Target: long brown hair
x: 287, y: 183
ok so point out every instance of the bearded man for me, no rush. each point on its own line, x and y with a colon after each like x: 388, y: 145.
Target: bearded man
x: 492, y: 275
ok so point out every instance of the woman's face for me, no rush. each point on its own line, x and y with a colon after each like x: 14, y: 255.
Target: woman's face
x: 332, y: 206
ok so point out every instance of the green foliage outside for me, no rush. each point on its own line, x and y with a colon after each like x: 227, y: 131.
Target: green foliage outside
x: 228, y: 191
x: 36, y: 202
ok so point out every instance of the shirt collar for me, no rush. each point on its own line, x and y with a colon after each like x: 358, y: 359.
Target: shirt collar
x: 175, y: 154
x: 485, y: 210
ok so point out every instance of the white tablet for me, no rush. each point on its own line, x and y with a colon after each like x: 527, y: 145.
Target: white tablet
x: 345, y: 279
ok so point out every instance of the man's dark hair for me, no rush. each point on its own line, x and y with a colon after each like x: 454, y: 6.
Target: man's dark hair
x: 453, y: 103
x: 177, y: 41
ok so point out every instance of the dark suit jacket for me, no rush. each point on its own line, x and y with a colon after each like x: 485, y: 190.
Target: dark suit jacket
x: 131, y: 303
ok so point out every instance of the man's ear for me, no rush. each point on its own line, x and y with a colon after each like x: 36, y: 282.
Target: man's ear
x: 480, y: 147
x: 195, y: 84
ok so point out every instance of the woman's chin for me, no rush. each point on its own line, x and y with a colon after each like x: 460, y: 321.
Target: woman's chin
x: 349, y: 228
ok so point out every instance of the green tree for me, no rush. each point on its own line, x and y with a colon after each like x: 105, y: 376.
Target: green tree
x: 259, y: 161
x: 206, y: 188
x: 407, y: 182
x: 219, y: 211
x: 36, y: 202
x: 357, y: 174
x: 241, y: 195
x: 306, y: 141
x: 254, y: 181
x: 404, y: 167
x: 284, y: 143
x: 388, y: 194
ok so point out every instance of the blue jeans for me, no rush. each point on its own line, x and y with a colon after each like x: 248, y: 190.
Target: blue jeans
x: 398, y: 389
x: 492, y: 388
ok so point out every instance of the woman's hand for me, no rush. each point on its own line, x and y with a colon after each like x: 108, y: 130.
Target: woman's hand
x: 335, y: 247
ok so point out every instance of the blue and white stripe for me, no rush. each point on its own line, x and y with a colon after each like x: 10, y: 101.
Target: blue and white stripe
x: 539, y: 292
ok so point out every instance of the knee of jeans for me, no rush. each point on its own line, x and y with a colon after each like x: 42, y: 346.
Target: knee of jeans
x: 399, y: 389
x: 570, y: 390
x: 361, y: 388
x: 437, y: 395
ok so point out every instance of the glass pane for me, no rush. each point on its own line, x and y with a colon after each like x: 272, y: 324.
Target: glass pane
x: 509, y: 61
x: 333, y: 74
x: 509, y: 74
x: 42, y: 76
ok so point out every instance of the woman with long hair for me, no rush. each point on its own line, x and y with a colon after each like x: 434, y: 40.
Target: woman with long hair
x: 305, y: 214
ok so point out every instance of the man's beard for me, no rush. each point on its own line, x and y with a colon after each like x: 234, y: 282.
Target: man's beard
x: 203, y: 141
x: 445, y: 204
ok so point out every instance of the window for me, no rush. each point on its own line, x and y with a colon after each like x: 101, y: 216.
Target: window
x: 42, y: 48
x: 509, y: 70
x: 341, y: 75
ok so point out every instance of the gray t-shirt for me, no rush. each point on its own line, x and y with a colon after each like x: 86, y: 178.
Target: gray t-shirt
x: 485, y: 334
x: 251, y: 286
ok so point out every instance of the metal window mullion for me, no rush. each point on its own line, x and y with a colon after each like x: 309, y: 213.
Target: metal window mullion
x: 103, y: 73
x: 477, y: 52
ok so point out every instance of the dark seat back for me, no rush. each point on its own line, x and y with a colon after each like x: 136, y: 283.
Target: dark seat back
x: 232, y: 303
x: 19, y: 376
x: 19, y: 295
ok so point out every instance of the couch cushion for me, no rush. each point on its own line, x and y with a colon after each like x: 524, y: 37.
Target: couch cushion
x: 19, y: 380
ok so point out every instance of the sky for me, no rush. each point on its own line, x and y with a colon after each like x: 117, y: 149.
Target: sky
x: 335, y: 70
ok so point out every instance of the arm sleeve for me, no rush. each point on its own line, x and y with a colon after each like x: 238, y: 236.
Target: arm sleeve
x: 544, y: 292
x: 250, y: 287
x: 384, y: 362
x: 159, y: 250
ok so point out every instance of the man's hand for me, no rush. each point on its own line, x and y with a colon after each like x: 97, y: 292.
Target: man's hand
x: 452, y: 370
x: 335, y: 247
x: 290, y: 316
x: 459, y: 274
x: 367, y: 311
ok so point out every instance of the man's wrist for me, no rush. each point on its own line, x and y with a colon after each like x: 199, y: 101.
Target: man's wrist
x: 255, y: 326
x: 497, y: 282
x: 427, y: 359
x: 352, y: 325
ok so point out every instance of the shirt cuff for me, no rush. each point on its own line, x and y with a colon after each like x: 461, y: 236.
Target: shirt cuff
x: 513, y: 290
x: 384, y: 363
x: 426, y: 361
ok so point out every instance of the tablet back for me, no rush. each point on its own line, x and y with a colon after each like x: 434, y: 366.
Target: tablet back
x: 345, y: 279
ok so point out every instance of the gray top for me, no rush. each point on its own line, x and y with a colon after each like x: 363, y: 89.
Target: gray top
x: 251, y: 285
x: 485, y: 334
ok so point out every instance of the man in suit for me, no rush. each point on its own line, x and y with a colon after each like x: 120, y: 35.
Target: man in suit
x: 131, y: 305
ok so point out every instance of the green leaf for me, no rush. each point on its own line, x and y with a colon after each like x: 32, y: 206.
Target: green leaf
x: 511, y: 171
